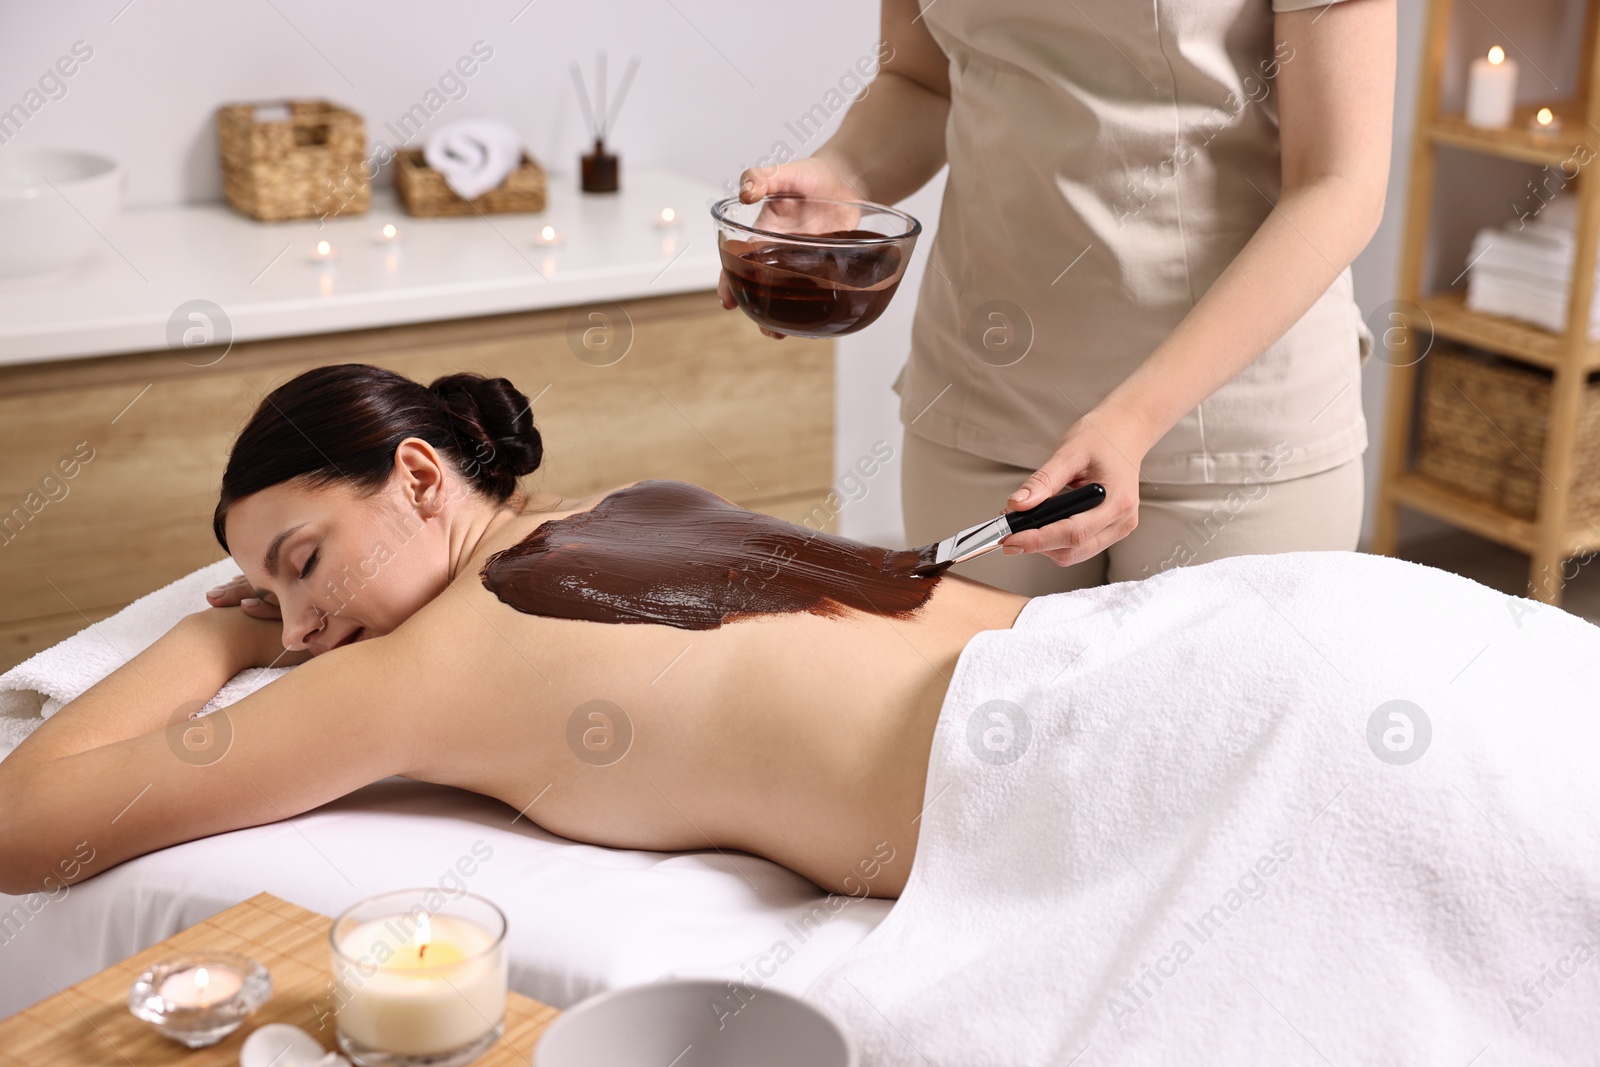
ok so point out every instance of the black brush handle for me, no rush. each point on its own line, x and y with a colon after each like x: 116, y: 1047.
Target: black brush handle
x: 1061, y: 506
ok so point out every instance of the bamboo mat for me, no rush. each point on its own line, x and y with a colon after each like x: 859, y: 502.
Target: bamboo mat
x: 89, y: 1025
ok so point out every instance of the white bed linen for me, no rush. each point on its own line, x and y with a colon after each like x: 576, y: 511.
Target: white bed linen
x: 581, y: 919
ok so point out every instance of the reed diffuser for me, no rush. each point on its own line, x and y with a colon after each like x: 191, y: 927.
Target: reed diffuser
x: 600, y: 167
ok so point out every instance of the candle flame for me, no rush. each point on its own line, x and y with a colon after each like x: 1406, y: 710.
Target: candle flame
x: 1497, y: 55
x: 667, y: 214
x: 323, y: 248
x: 424, y: 934
x: 1545, y: 116
x: 388, y: 229
x: 548, y: 233
x: 202, y: 978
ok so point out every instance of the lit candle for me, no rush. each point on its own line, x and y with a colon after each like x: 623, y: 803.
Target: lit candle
x: 430, y: 984
x: 199, y: 998
x: 668, y: 217
x: 1491, y: 89
x: 323, y: 252
x: 388, y: 234
x: 1545, y: 121
x: 199, y: 987
x: 548, y: 236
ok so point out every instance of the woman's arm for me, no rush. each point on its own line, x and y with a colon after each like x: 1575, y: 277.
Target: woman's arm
x: 1335, y: 109
x: 108, y: 777
x: 182, y: 669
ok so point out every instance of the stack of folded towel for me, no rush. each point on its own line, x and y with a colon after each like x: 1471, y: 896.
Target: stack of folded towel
x: 1523, y: 270
x: 474, y: 155
x: 38, y: 687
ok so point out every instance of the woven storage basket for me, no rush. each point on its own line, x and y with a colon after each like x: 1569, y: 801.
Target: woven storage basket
x: 311, y: 163
x: 1482, y: 430
x: 424, y: 192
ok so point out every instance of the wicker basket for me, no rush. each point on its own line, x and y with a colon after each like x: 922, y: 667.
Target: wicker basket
x: 1482, y: 430
x: 424, y: 192
x: 310, y: 163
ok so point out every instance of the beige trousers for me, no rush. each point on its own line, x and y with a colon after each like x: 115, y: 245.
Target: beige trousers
x: 943, y: 490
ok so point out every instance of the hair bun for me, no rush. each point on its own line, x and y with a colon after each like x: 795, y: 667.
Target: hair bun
x: 495, y: 422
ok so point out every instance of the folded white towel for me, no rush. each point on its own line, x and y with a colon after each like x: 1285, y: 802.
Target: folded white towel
x: 1174, y: 822
x: 41, y: 685
x: 474, y: 155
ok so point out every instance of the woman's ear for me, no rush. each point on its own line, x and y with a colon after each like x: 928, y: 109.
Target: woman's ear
x: 421, y: 473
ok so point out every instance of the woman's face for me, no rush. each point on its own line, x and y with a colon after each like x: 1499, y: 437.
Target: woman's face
x: 339, y: 567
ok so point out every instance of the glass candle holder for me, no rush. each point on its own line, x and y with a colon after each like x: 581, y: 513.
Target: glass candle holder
x: 420, y: 978
x: 199, y: 998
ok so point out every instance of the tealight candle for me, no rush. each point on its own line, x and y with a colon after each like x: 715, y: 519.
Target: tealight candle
x: 667, y: 217
x: 548, y: 236
x: 1491, y: 89
x: 198, y: 987
x: 422, y: 978
x: 197, y: 999
x: 322, y: 252
x: 388, y: 234
x: 1545, y: 121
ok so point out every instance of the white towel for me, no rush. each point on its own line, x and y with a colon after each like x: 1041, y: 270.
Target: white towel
x: 1198, y: 856
x: 1523, y: 269
x: 474, y: 155
x: 41, y: 685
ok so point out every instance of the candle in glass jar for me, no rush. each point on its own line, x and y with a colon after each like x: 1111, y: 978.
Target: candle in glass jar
x: 1491, y: 89
x: 438, y: 989
x: 197, y: 987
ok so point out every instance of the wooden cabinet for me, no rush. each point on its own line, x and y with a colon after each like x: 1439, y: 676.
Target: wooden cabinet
x: 112, y: 464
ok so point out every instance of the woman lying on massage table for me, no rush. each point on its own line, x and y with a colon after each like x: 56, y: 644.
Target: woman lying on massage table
x: 648, y: 668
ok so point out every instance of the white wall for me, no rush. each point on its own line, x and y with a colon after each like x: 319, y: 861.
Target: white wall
x: 719, y: 88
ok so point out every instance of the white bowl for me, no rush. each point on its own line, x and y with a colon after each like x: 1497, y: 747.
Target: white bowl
x: 699, y: 1020
x: 54, y: 205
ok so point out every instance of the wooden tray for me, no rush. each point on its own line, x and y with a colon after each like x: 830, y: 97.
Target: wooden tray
x: 424, y: 192
x: 88, y: 1024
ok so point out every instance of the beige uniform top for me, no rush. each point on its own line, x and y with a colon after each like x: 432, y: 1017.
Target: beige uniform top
x: 1107, y: 160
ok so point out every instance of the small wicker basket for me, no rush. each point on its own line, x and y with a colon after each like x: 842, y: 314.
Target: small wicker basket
x: 424, y: 191
x: 308, y: 162
x: 1482, y: 431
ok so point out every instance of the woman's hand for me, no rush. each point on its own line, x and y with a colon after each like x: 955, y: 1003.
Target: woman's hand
x: 236, y: 592
x: 1100, y: 447
x: 813, y: 176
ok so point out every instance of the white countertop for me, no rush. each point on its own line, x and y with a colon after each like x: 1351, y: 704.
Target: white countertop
x: 153, y: 260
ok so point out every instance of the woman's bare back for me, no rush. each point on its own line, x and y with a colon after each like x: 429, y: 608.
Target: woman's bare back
x: 795, y: 736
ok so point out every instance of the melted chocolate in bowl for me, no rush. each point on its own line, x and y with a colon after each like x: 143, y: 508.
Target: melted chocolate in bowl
x: 813, y: 290
x: 673, y: 553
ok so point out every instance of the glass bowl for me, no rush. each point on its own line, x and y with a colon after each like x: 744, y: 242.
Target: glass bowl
x: 205, y: 1022
x: 808, y: 266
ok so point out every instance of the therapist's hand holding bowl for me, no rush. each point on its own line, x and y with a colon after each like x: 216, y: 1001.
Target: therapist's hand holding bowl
x: 814, y: 176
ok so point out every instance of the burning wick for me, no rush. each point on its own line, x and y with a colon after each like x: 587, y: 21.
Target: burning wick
x: 422, y: 934
x: 1497, y: 55
x: 1545, y: 121
x: 202, y: 979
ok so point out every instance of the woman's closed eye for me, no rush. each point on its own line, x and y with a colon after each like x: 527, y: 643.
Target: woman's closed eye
x: 311, y: 561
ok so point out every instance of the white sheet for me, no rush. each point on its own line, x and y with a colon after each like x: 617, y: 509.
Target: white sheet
x: 1196, y: 770
x: 581, y: 919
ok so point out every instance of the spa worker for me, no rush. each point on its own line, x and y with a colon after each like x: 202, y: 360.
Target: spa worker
x: 1141, y: 272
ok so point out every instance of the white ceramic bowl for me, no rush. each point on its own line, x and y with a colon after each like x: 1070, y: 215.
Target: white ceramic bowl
x: 54, y: 205
x: 698, y: 1020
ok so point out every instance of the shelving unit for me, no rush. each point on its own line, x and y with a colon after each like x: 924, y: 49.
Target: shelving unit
x: 1553, y: 536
